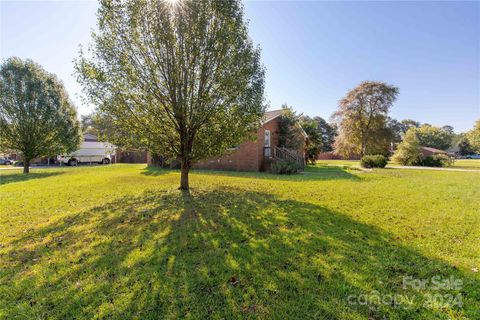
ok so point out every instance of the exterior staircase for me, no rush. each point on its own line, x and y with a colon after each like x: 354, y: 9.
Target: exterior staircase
x: 273, y: 154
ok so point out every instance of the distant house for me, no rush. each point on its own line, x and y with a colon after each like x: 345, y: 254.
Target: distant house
x: 428, y: 151
x: 258, y: 154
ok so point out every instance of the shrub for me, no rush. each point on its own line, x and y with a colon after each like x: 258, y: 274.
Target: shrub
x: 408, y: 152
x: 284, y: 167
x: 374, y: 161
x: 437, y: 160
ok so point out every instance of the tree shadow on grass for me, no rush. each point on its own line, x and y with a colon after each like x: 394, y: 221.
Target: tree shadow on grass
x: 224, y: 254
x: 155, y: 171
x: 310, y: 174
x: 19, y: 177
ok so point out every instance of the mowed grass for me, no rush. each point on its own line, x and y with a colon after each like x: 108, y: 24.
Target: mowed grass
x: 458, y: 164
x: 121, y: 242
x: 467, y: 163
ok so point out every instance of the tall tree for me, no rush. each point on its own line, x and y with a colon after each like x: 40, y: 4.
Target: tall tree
x: 473, y: 136
x: 36, y: 116
x: 183, y: 78
x: 314, y: 139
x: 409, y: 123
x: 456, y: 140
x: 435, y: 137
x: 321, y: 136
x: 328, y: 133
x: 397, y: 130
x: 464, y: 147
x: 362, y: 119
x: 290, y: 134
x: 89, y: 124
x: 449, y: 129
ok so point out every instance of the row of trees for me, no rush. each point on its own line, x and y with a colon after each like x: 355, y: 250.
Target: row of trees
x: 321, y: 134
x: 364, y: 126
x: 361, y: 125
x: 385, y: 132
x: 181, y: 79
x: 469, y: 142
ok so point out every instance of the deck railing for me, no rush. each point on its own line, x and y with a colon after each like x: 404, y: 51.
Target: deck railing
x: 284, y: 154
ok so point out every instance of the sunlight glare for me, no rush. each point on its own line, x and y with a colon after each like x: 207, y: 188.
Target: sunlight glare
x: 172, y: 3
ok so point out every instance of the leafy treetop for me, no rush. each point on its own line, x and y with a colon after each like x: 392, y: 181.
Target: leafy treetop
x: 182, y: 78
x: 37, y: 117
x: 362, y: 119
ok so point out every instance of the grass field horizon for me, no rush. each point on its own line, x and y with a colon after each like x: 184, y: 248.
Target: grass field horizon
x: 457, y: 164
x: 122, y: 242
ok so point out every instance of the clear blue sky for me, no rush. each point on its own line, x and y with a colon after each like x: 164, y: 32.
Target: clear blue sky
x: 314, y: 52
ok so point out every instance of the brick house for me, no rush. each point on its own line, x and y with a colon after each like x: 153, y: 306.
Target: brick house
x: 258, y: 154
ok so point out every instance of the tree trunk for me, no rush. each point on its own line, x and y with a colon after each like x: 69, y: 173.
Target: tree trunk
x: 364, y: 148
x: 26, y: 166
x: 185, y: 169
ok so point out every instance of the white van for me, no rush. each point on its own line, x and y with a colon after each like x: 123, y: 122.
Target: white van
x: 89, y: 152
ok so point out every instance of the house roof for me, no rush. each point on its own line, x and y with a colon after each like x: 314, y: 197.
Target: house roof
x: 273, y: 114
x: 433, y: 150
x: 270, y: 115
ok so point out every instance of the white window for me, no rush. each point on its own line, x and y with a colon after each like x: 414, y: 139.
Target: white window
x: 267, y: 151
x: 267, y: 139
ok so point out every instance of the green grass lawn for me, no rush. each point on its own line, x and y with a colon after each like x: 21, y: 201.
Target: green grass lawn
x: 460, y: 163
x: 122, y: 242
x: 355, y: 163
x: 467, y: 163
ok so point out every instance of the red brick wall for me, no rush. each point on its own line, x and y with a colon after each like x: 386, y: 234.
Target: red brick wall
x: 249, y: 155
x: 245, y: 158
